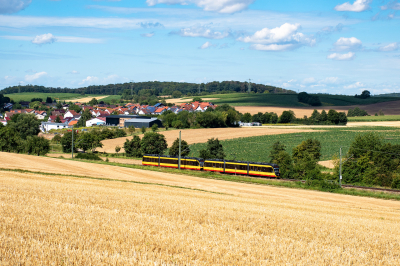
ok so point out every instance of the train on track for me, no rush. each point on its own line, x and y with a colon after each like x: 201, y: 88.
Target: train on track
x: 267, y: 170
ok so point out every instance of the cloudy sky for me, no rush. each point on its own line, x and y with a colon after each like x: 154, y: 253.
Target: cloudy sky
x: 329, y: 46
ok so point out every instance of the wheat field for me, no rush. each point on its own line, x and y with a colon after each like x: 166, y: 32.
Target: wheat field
x: 55, y: 219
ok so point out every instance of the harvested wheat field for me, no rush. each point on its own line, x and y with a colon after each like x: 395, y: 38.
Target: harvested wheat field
x: 203, y: 134
x: 186, y: 100
x: 388, y: 108
x: 47, y: 219
x: 87, y: 99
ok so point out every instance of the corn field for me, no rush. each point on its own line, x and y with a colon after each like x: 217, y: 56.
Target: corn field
x: 257, y: 149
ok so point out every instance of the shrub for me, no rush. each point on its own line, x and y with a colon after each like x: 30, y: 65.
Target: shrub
x: 88, y: 156
x: 323, y: 185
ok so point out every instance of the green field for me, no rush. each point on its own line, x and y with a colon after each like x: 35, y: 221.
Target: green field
x: 27, y: 96
x: 257, y: 149
x: 374, y: 118
x: 110, y: 97
x: 290, y: 100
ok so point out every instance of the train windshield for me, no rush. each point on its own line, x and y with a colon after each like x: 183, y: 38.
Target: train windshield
x: 276, y: 170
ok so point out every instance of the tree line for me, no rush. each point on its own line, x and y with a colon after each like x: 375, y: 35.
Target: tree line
x: 153, y: 87
x: 20, y: 135
x: 331, y: 118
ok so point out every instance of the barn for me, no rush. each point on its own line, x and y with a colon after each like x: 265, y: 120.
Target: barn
x: 140, y: 122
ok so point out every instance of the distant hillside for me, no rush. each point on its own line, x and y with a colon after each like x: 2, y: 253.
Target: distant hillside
x: 388, y: 95
x: 291, y: 100
x: 152, y: 87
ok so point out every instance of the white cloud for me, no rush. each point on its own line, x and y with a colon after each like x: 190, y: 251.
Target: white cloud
x: 354, y: 86
x: 40, y: 39
x: 12, y: 6
x: 89, y: 80
x: 35, y: 76
x: 342, y: 57
x: 348, y: 44
x: 207, y: 45
x: 392, y: 5
x: 148, y: 35
x: 44, y: 38
x: 92, y: 80
x: 357, y: 6
x: 390, y: 47
x: 201, y: 31
x: 285, y: 37
x: 329, y: 80
x: 74, y: 72
x: 309, y: 80
x: 221, y: 6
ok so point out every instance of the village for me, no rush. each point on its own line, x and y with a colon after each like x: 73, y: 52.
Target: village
x: 104, y: 114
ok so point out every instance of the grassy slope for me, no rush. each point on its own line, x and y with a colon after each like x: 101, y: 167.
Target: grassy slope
x: 290, y: 100
x: 27, y: 96
x: 257, y: 149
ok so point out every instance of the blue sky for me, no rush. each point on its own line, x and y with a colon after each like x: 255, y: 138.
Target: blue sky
x: 330, y: 46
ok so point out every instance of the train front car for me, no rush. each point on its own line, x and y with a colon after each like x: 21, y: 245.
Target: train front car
x: 264, y: 170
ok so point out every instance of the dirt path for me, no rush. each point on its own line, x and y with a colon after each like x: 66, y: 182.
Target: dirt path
x: 388, y: 108
x: 203, y: 134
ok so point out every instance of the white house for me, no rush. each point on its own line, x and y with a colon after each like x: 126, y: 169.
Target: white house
x: 73, y: 114
x: 96, y: 121
x: 47, y: 126
x: 41, y: 115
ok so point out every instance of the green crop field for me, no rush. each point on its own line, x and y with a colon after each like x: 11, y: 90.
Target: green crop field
x: 282, y: 100
x: 257, y: 149
x: 110, y: 97
x: 27, y: 96
x: 374, y: 118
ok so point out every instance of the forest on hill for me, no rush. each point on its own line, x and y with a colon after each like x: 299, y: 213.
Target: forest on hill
x: 156, y: 88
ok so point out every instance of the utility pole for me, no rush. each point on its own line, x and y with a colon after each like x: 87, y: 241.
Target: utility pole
x: 72, y: 144
x: 131, y: 88
x: 340, y: 168
x: 179, y: 158
x: 249, y: 86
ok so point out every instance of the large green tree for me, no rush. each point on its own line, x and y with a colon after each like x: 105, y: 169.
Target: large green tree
x: 86, y: 115
x: 37, y: 145
x: 305, y: 160
x: 25, y: 125
x: 10, y: 140
x: 174, y: 150
x: 133, y: 147
x: 88, y: 141
x: 153, y: 143
x: 214, y: 150
x: 66, y: 142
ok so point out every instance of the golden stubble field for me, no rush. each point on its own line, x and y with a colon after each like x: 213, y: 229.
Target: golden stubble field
x: 47, y: 219
x: 388, y: 108
x: 203, y: 134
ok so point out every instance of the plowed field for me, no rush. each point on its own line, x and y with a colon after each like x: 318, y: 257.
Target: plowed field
x: 388, y: 108
x: 58, y: 220
x: 202, y: 135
